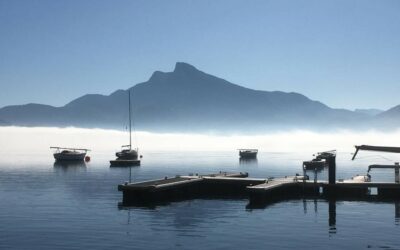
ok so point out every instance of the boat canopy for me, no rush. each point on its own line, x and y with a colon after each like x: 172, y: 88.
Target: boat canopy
x: 376, y: 148
x: 395, y: 166
x: 81, y: 149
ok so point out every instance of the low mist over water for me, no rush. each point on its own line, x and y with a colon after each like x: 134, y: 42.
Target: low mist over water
x: 40, y: 138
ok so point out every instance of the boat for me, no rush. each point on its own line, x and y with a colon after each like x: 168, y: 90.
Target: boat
x: 126, y: 153
x: 69, y: 154
x: 248, y: 153
x: 127, y: 156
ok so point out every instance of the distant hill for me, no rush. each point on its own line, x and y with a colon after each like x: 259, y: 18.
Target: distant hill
x: 4, y: 123
x: 189, y: 100
x: 391, y: 116
x: 370, y: 112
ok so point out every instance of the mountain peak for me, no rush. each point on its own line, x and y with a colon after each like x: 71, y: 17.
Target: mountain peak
x: 181, y: 68
x: 184, y: 67
x: 157, y: 75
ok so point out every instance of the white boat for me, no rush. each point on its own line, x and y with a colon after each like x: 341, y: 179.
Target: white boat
x: 127, y: 155
x: 69, y: 154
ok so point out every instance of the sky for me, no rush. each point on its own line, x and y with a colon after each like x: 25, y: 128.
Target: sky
x: 344, y: 53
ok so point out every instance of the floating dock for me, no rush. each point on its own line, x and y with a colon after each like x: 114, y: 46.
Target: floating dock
x: 264, y: 190
x: 257, y: 190
x: 221, y: 184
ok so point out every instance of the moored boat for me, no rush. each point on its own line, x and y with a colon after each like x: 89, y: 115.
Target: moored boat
x: 127, y: 153
x: 69, y: 154
x: 127, y: 156
x: 248, y: 153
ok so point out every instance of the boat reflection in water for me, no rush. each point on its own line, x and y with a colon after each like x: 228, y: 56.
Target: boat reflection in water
x: 69, y: 166
x: 248, y: 161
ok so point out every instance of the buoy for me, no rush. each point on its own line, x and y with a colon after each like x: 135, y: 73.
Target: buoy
x: 87, y: 158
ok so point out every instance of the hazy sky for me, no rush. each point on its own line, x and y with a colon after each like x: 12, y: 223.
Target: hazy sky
x: 343, y: 53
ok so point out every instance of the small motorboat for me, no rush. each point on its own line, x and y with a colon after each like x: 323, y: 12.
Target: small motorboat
x: 248, y: 153
x: 69, y: 154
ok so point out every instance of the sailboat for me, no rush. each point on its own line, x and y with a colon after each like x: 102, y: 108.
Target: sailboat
x: 127, y: 156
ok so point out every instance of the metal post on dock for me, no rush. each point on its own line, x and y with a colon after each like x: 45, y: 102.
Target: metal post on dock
x: 315, y: 175
x: 130, y: 174
x: 332, y: 169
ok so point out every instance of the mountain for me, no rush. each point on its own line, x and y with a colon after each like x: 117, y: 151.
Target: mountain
x: 391, y: 115
x: 4, y: 123
x: 370, y: 112
x: 188, y: 99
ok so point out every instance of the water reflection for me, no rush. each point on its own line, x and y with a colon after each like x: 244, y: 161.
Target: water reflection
x: 188, y: 216
x: 397, y: 212
x: 332, y: 216
x: 248, y: 162
x: 332, y: 208
x: 315, y: 201
x: 331, y: 212
x: 69, y: 166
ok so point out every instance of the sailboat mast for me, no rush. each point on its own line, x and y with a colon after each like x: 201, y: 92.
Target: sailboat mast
x: 130, y: 122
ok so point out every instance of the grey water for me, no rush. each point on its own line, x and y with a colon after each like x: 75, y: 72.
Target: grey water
x: 56, y: 206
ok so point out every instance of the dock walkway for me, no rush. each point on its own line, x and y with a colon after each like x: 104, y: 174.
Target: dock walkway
x: 229, y: 185
x: 186, y: 187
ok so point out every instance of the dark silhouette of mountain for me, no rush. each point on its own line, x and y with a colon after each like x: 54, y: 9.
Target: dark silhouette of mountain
x: 188, y: 100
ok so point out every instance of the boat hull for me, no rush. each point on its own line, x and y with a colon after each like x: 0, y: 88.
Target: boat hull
x: 127, y: 155
x: 69, y: 156
x: 248, y: 155
x: 124, y: 163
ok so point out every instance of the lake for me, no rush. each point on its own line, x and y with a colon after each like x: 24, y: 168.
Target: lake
x: 51, y: 206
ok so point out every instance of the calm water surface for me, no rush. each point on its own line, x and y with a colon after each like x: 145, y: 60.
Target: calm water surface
x: 50, y: 206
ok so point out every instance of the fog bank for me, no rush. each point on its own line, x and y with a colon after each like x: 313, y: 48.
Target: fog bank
x: 41, y: 138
